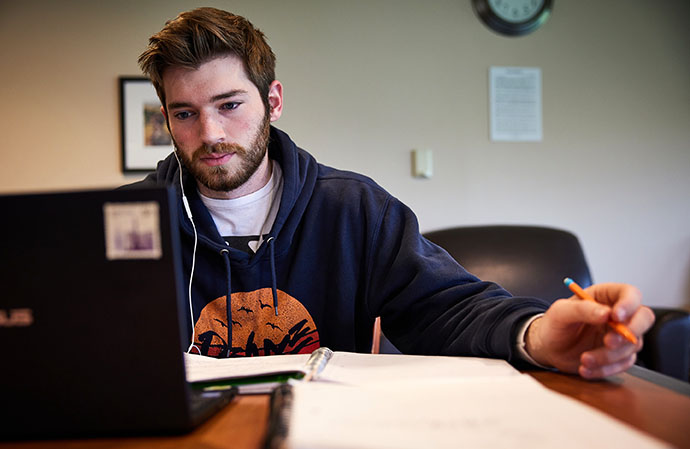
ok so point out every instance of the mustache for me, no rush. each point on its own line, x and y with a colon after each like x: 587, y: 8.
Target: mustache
x: 219, y: 148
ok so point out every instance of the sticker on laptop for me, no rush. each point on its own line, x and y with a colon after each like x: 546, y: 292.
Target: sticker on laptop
x: 132, y: 231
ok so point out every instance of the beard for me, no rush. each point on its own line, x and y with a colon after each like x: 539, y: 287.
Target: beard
x: 244, y: 163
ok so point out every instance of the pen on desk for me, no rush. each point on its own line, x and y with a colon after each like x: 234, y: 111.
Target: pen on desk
x: 317, y: 362
x: 279, y: 417
x: 621, y: 328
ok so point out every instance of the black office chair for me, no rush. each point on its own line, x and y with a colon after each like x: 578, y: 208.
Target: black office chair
x: 533, y: 260
x: 525, y: 260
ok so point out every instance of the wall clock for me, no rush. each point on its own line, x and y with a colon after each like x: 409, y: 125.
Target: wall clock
x: 513, y: 17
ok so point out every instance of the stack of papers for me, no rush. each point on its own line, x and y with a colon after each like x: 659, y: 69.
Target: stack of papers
x: 399, y: 401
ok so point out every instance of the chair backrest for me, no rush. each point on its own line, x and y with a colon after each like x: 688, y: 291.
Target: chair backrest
x: 525, y: 260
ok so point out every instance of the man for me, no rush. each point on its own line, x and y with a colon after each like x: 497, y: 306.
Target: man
x: 286, y: 255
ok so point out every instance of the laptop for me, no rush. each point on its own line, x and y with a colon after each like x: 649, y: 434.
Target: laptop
x: 93, y: 317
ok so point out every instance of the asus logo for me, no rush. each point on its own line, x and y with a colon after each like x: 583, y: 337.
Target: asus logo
x: 16, y: 317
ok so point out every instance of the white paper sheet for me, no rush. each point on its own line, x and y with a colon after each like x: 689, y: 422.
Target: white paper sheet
x: 496, y: 412
x: 515, y: 104
x: 364, y: 369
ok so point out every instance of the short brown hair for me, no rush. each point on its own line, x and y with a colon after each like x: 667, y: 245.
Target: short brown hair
x: 197, y: 36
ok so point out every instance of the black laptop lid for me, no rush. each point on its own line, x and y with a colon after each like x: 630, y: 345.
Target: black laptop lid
x: 91, y: 313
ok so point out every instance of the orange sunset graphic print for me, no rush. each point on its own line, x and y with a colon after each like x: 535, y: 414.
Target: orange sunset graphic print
x: 256, y: 329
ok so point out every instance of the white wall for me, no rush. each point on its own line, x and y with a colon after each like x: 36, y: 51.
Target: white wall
x: 366, y: 81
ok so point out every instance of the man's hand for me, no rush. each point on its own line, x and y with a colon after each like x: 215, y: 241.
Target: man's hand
x: 573, y: 336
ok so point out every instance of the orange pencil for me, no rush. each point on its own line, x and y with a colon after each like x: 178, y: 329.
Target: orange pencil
x: 618, y: 327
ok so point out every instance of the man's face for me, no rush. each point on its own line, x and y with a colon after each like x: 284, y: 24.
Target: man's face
x: 219, y: 124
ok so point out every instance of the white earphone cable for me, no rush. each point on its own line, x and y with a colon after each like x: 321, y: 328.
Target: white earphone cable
x: 191, y: 274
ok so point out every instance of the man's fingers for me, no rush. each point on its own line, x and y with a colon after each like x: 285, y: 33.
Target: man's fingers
x: 607, y: 370
x: 641, y: 320
x: 614, y: 340
x: 574, y: 310
x: 623, y: 298
x: 573, y: 334
x: 605, y: 356
x: 640, y: 323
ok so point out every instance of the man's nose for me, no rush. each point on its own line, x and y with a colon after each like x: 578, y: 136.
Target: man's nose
x: 211, y: 130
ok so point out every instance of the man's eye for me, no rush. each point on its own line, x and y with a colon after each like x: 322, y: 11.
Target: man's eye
x: 182, y: 115
x: 230, y: 106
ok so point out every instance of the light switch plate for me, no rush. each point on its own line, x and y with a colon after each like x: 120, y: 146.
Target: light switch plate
x: 422, y: 163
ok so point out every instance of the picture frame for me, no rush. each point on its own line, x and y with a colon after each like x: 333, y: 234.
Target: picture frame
x: 144, y: 133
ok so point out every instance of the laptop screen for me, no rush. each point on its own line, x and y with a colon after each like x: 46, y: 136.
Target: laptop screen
x: 92, y: 314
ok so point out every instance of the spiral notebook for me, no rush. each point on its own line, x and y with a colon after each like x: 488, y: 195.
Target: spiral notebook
x: 263, y: 374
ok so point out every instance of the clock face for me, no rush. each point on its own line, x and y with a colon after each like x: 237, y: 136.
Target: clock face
x: 516, y: 11
x: 513, y: 17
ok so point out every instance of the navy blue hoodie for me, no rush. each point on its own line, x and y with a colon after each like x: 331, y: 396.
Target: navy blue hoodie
x: 341, y: 252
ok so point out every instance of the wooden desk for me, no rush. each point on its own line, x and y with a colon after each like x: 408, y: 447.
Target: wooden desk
x: 645, y: 405
x: 649, y: 407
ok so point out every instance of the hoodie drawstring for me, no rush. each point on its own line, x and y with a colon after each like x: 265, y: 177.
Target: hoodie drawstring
x: 274, y: 287
x: 228, y: 301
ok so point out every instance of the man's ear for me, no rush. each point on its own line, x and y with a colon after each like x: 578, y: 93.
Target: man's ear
x: 275, y: 100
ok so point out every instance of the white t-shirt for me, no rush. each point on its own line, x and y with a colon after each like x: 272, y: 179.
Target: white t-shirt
x: 245, y: 220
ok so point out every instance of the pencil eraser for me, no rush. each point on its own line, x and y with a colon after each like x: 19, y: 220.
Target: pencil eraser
x: 567, y: 282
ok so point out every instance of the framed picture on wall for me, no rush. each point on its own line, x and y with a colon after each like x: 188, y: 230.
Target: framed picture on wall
x: 145, y: 137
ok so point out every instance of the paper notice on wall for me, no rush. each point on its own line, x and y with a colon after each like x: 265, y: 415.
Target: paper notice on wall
x: 515, y: 104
